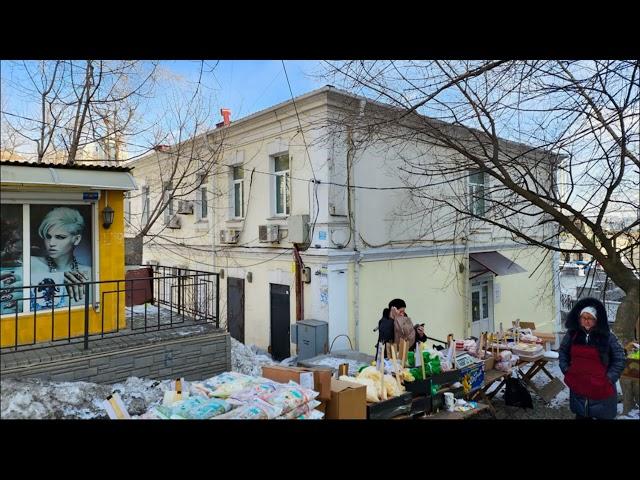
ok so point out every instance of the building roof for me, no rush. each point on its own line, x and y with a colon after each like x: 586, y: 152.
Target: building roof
x: 112, y: 168
x: 85, y: 176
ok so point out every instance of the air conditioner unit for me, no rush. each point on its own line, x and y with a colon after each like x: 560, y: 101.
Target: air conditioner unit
x: 268, y: 233
x: 185, y: 207
x: 229, y: 235
x: 174, y: 222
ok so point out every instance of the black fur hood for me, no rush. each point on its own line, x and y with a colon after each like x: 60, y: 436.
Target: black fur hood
x: 602, y: 322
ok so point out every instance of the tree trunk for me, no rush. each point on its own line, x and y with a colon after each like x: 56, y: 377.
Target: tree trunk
x: 627, y: 329
x: 626, y: 324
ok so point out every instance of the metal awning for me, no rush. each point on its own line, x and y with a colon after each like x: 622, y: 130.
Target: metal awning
x: 494, y: 262
x: 103, y: 179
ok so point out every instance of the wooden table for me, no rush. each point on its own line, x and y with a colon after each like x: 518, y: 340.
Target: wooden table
x: 445, y: 415
x: 490, y: 377
x: 551, y: 389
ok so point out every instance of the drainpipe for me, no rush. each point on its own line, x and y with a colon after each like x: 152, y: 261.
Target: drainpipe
x: 356, y: 232
x: 299, y: 287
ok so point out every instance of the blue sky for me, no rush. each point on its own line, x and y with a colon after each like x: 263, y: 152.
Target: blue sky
x: 247, y: 86
x: 244, y: 86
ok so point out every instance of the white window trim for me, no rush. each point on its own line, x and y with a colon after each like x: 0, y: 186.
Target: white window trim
x: 240, y: 182
x: 274, y: 189
x: 199, y: 203
x: 146, y: 204
x: 485, y: 186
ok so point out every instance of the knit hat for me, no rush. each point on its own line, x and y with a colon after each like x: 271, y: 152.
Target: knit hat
x: 590, y: 310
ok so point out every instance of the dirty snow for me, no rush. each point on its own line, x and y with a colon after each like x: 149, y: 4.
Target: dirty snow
x: 248, y: 360
x: 35, y: 398
x: 335, y: 362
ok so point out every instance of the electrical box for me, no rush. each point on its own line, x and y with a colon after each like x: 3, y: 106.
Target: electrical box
x: 185, y: 207
x: 311, y: 337
x: 298, y: 226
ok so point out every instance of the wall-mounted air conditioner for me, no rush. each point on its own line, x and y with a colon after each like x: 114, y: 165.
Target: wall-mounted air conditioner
x: 185, y: 207
x: 174, y: 222
x: 229, y: 235
x: 268, y: 233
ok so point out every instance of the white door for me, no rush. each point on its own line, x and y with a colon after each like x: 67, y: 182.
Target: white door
x: 481, y: 307
x: 338, y: 308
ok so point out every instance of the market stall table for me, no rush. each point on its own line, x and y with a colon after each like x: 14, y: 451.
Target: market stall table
x: 446, y: 415
x: 551, y: 389
x: 490, y: 378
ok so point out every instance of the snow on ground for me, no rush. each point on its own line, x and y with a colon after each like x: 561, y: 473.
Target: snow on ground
x: 632, y: 415
x: 32, y: 398
x: 246, y: 360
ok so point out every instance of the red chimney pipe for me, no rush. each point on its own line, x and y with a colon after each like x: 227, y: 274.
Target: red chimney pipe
x: 226, y: 115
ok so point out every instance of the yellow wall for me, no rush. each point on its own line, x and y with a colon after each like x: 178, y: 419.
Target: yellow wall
x: 428, y: 285
x: 531, y: 299
x: 111, y: 255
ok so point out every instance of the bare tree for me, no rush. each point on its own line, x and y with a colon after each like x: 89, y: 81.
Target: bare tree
x: 537, y: 149
x: 185, y: 149
x: 78, y: 103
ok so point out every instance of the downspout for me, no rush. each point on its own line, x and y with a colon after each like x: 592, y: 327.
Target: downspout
x: 356, y: 232
x: 298, y: 280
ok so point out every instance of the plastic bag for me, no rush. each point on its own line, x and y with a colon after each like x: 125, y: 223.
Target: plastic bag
x: 287, y: 397
x: 257, y: 409
x: 255, y: 390
x: 301, y: 410
x: 372, y: 390
x: 222, y: 385
x: 195, y: 408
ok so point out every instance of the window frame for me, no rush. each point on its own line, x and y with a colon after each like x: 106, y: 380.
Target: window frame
x: 473, y: 188
x: 287, y: 191
x: 240, y: 182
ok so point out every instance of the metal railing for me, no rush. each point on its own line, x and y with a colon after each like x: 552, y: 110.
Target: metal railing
x: 178, y: 297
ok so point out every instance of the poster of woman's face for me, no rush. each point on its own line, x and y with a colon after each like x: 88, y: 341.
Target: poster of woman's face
x: 11, y: 268
x: 60, y: 254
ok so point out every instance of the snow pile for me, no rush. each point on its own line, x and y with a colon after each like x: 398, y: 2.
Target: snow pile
x: 33, y: 398
x: 335, y: 362
x: 248, y: 360
x: 632, y: 415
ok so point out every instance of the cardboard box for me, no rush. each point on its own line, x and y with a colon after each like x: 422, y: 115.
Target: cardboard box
x: 348, y: 401
x: 321, y: 377
x: 474, y: 374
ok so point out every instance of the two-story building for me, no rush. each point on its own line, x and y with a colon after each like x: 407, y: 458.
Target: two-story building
x: 290, y: 194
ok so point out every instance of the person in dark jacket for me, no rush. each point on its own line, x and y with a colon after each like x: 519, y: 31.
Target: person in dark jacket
x: 592, y: 360
x: 395, y: 326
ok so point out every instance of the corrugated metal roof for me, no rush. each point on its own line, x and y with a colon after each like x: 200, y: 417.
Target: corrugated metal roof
x: 109, y: 168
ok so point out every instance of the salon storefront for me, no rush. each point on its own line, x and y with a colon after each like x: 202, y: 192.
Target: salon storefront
x: 61, y: 247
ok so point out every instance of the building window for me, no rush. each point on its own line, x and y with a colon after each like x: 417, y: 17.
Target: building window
x: 201, y: 198
x: 167, y: 191
x: 477, y: 193
x: 145, y: 204
x: 282, y: 184
x: 51, y: 253
x: 127, y: 208
x: 238, y: 192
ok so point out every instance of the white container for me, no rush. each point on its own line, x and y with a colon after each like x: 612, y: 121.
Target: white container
x: 449, y: 401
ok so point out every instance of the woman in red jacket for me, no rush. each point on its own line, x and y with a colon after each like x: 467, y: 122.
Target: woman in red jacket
x: 592, y: 360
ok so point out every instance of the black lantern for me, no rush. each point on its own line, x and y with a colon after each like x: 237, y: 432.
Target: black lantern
x: 107, y: 216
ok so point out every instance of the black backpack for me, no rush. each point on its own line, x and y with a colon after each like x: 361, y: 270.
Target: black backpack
x: 516, y: 394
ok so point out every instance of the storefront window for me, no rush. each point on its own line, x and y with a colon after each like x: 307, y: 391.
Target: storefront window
x: 59, y: 242
x: 11, y: 259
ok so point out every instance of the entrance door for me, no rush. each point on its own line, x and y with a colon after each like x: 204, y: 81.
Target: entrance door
x: 280, y: 318
x: 338, y: 308
x: 481, y: 307
x: 235, y: 307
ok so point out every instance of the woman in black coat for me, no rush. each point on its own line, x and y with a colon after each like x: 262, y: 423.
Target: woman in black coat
x: 592, y: 360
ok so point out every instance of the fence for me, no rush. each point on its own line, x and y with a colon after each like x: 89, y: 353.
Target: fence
x: 44, y: 315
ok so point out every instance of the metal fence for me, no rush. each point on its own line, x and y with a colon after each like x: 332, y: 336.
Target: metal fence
x: 175, y: 297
